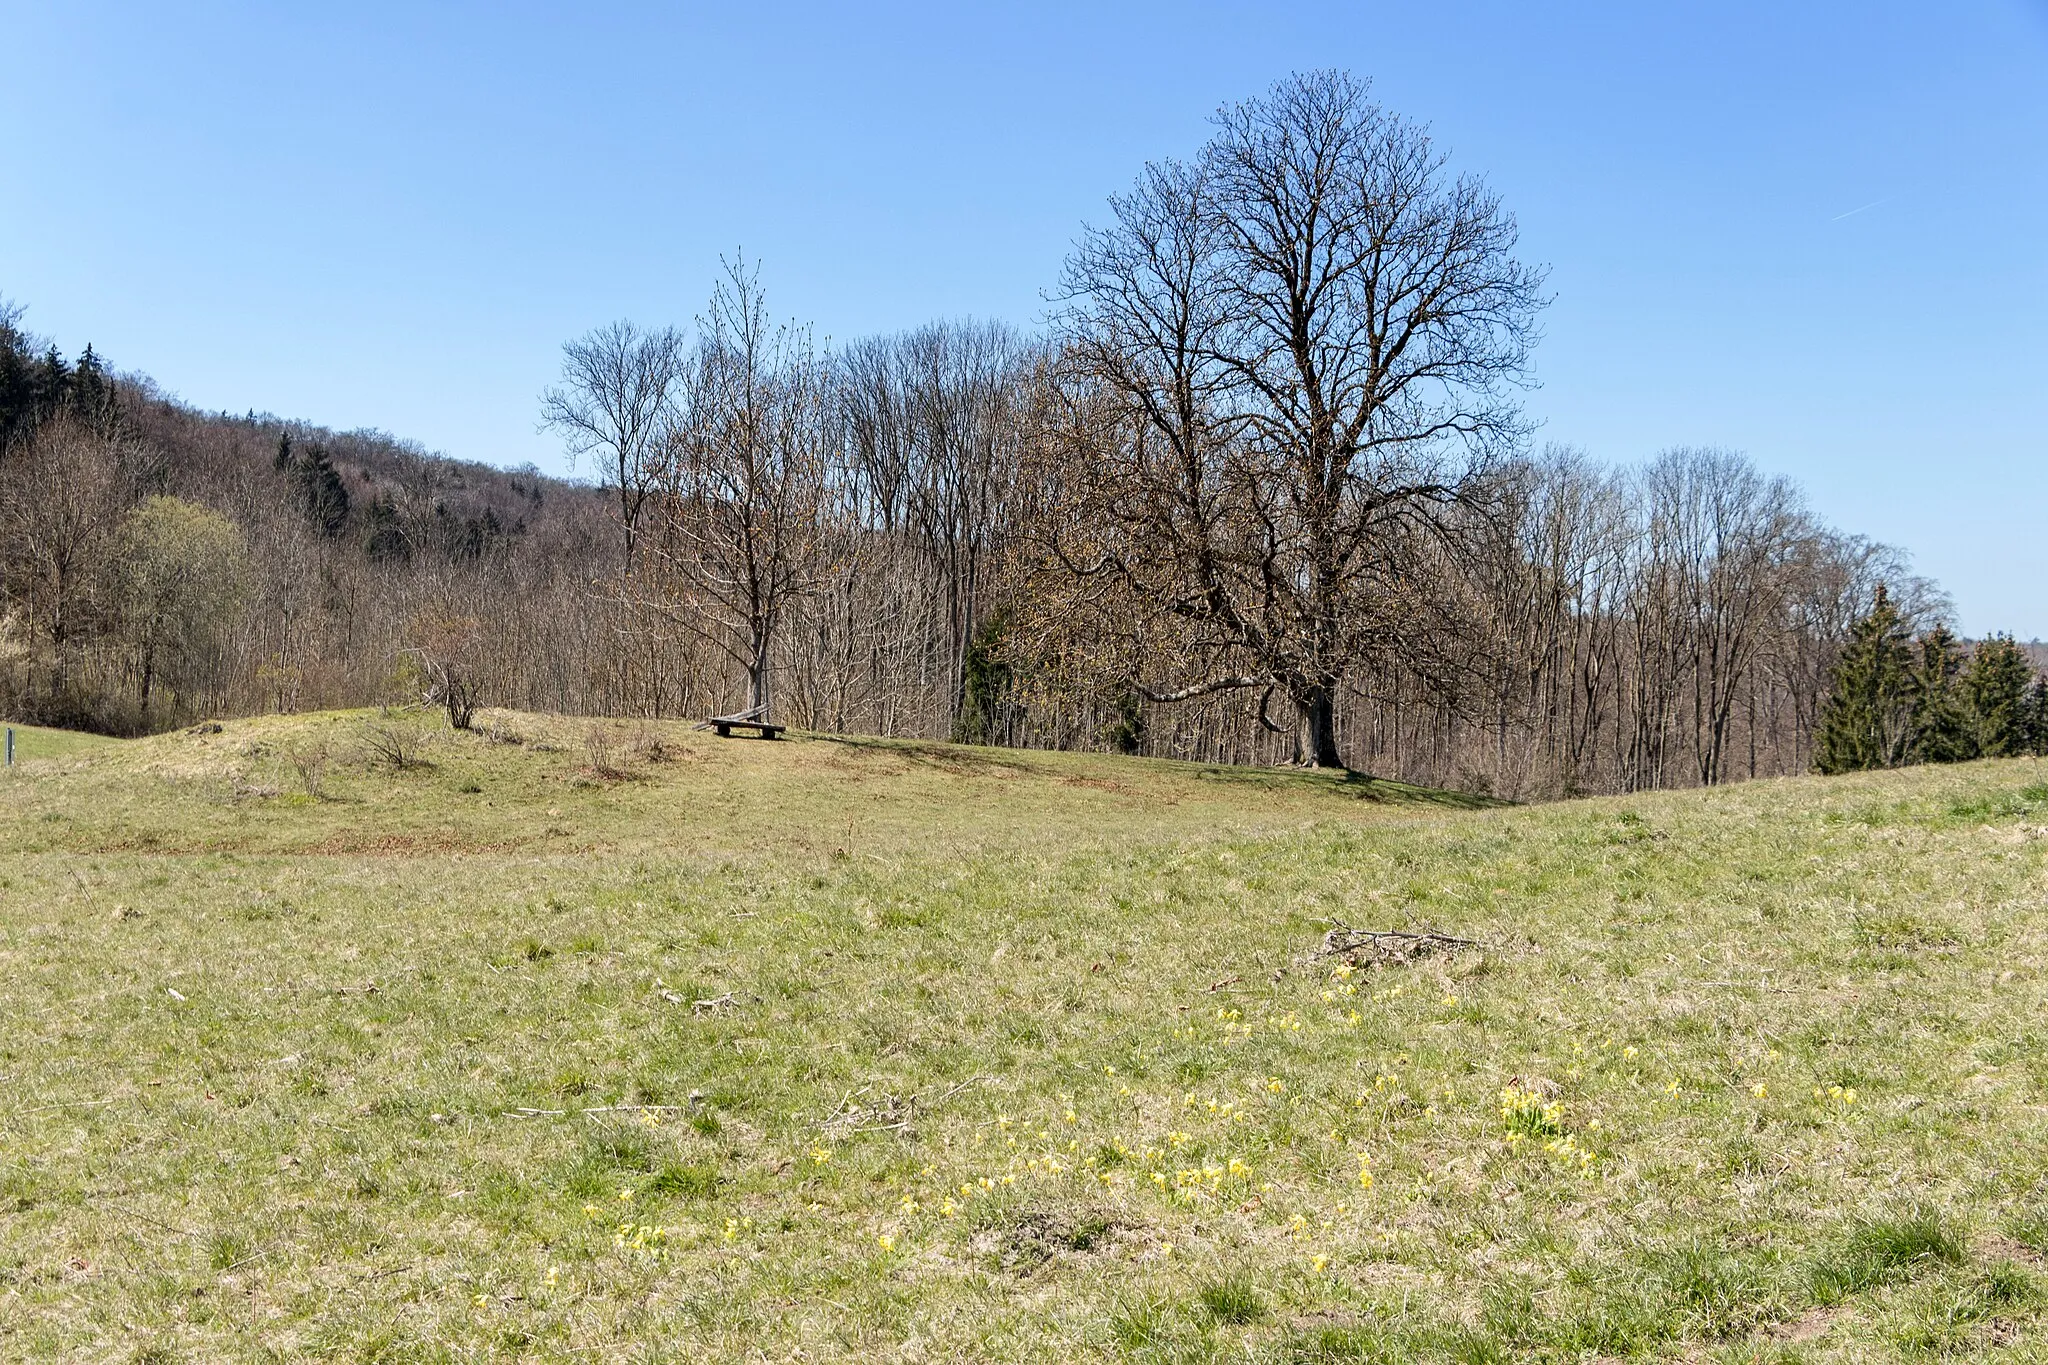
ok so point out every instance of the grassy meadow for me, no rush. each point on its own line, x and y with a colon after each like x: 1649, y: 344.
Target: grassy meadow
x: 621, y: 1042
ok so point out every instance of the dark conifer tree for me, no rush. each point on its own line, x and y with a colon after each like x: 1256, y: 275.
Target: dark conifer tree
x: 92, y: 397
x: 383, y: 537
x: 51, y: 383
x: 325, y: 494
x: 984, y: 687
x: 1942, y: 733
x: 2035, y: 714
x: 321, y: 492
x: 1994, y: 691
x: 17, y: 381
x: 1867, y: 720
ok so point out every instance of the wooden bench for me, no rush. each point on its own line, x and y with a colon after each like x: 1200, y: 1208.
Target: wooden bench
x: 725, y: 725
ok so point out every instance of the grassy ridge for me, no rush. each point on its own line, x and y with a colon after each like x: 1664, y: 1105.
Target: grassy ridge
x: 660, y: 1047
x: 32, y: 742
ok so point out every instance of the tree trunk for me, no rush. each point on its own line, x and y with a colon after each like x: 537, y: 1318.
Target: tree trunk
x: 757, y: 678
x: 1318, y: 706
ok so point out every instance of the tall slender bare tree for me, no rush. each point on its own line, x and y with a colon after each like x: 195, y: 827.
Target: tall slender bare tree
x: 612, y: 404
x: 745, y: 480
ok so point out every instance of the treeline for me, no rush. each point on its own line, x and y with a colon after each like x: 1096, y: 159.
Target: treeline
x: 1260, y: 493
x: 1897, y: 700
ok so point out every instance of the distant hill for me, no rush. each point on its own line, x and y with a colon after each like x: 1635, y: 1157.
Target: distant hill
x: 334, y: 551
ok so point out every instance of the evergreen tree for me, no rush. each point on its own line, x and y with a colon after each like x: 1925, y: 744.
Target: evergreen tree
x: 984, y: 687
x: 1126, y: 733
x: 1867, y: 719
x: 92, y: 396
x: 50, y: 385
x: 1942, y: 732
x: 2036, y: 713
x: 17, y: 380
x: 383, y: 537
x: 1994, y: 689
x: 321, y: 492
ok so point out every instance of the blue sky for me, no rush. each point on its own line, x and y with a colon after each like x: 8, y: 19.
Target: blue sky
x: 1817, y: 232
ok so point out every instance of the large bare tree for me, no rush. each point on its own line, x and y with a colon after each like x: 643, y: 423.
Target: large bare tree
x: 612, y: 405
x: 1305, y: 335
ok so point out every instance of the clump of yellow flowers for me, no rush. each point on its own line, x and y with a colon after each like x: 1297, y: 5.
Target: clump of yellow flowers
x: 1527, y: 1114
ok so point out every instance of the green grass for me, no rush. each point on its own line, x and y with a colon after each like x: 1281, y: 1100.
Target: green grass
x: 730, y: 1050
x: 32, y: 742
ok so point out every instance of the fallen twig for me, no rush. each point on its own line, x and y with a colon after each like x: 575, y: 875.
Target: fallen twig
x: 1750, y: 986
x: 69, y: 1104
x: 119, y: 1207
x: 388, y: 1270
x: 891, y: 1114
x: 525, y: 1111
x: 1382, y: 946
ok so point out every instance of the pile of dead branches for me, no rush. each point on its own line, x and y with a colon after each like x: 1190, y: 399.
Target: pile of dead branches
x: 1387, y: 947
x: 858, y: 1112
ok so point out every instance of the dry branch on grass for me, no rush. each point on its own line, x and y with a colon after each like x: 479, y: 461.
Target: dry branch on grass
x: 529, y: 1112
x: 1387, y: 947
x: 888, y: 1113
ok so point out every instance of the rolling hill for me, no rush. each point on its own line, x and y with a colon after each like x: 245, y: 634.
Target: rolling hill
x: 614, y: 1041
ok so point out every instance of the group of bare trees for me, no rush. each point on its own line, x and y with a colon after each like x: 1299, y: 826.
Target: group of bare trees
x: 1261, y: 493
x: 1615, y: 630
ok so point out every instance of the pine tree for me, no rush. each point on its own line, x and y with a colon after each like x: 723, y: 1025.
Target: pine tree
x: 1866, y: 721
x: 2036, y: 713
x: 1994, y: 690
x: 321, y: 491
x: 93, y: 397
x: 1125, y: 732
x: 51, y: 383
x: 1942, y: 732
x: 383, y: 536
x: 17, y: 397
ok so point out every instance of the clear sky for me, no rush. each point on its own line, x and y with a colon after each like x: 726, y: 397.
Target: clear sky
x: 1816, y: 232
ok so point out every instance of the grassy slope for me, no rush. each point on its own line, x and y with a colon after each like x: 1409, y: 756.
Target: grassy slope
x: 34, y: 742
x: 1143, y: 1109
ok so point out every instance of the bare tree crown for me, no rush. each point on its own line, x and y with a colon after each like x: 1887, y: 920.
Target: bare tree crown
x: 1308, y: 333
x: 613, y: 403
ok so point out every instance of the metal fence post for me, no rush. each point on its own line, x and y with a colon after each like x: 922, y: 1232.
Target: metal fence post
x: 10, y: 746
